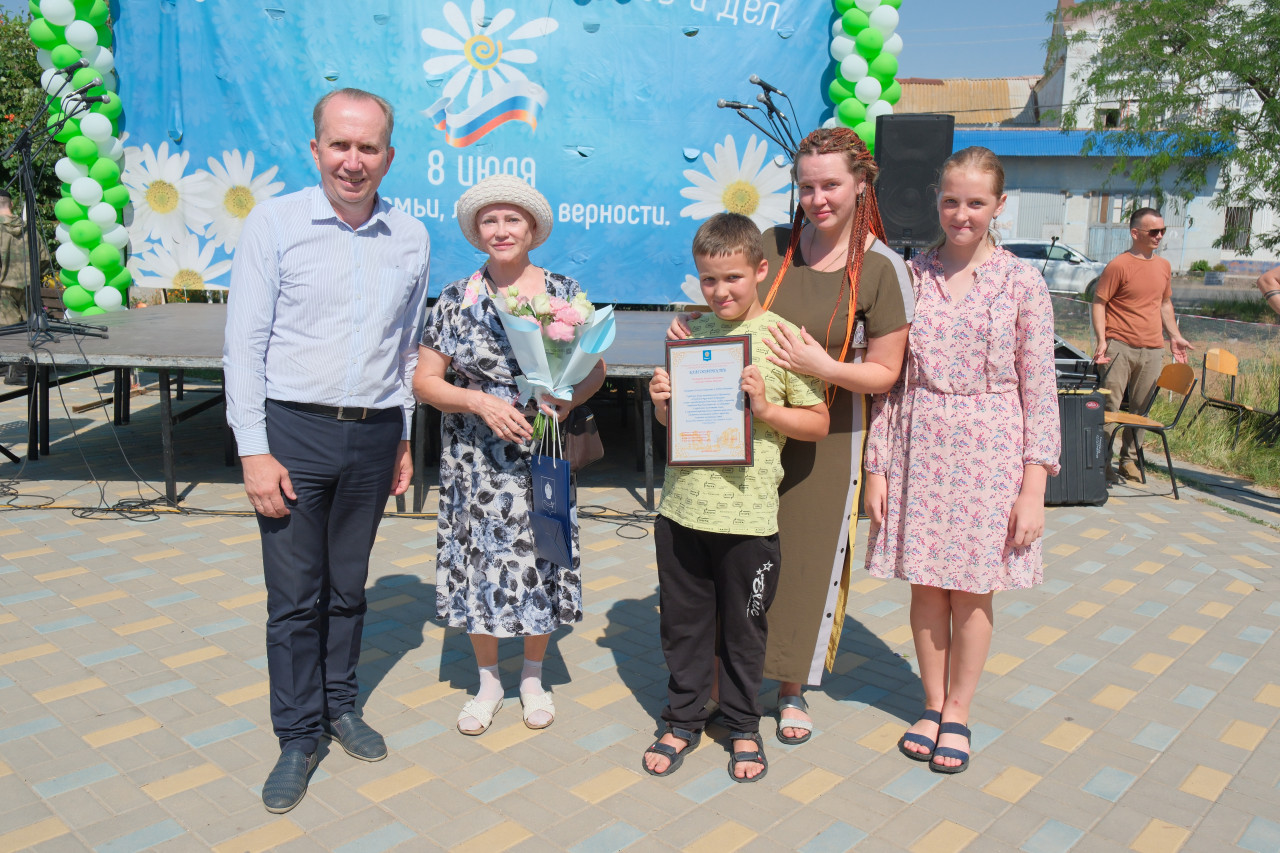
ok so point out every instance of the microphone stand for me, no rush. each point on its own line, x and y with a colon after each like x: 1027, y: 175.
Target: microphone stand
x: 1047, y: 253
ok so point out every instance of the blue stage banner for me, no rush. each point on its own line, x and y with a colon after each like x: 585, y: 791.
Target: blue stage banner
x: 607, y: 106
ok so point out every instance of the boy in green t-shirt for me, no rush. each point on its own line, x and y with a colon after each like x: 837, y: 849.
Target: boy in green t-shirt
x: 717, y: 530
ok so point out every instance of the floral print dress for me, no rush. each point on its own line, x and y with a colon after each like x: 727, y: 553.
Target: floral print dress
x: 488, y: 580
x: 977, y: 401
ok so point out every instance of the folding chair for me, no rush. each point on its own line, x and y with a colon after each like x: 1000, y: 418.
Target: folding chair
x: 1224, y: 368
x: 1175, y: 378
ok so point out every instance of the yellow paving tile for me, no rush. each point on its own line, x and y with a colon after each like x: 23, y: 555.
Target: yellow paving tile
x: 1118, y: 587
x: 1269, y: 695
x: 120, y: 537
x: 1067, y: 737
x: 1170, y: 551
x: 898, y: 636
x: 1263, y: 535
x: 196, y: 577
x: 1114, y: 697
x: 1245, y: 735
x: 415, y: 560
x: 241, y: 539
x: 61, y: 573
x: 244, y: 600
x: 603, y: 583
x: 811, y: 785
x: 264, y: 838
x: 1160, y: 837
x: 244, y: 694
x: 504, y: 836
x: 602, y: 545
x: 946, y: 837
x: 597, y: 699
x: 391, y: 602
x: 1215, y: 609
x: 1095, y: 533
x: 1205, y: 783
x: 144, y: 625
x: 1152, y: 663
x: 1250, y: 561
x: 185, y: 781
x: 371, y: 655
x: 6, y: 618
x: 30, y: 552
x: 65, y: 691
x: 884, y: 738
x: 28, y: 653
x: 167, y: 554
x: 5, y: 769
x: 1064, y: 550
x: 1012, y: 785
x: 866, y: 585
x: 1084, y: 609
x: 426, y: 526
x: 725, y: 838
x: 29, y: 836
x: 193, y: 656
x: 847, y: 662
x: 100, y: 598
x: 201, y: 522
x: 425, y: 695
x: 1198, y: 538
x: 604, y: 786
x: 1148, y: 567
x: 1002, y: 664
x: 1045, y: 635
x: 397, y: 783
x: 499, y: 740
x: 1239, y: 588
x: 1153, y: 518
x: 1187, y: 634
x: 124, y: 731
x: 12, y: 531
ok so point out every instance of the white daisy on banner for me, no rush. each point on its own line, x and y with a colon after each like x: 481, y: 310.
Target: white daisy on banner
x: 166, y: 203
x: 750, y: 187
x: 476, y: 54
x: 181, y: 265
x: 691, y: 287
x: 234, y: 192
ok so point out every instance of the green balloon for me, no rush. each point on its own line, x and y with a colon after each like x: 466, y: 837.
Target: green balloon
x: 97, y: 14
x: 839, y: 90
x: 851, y: 111
x: 82, y: 7
x: 854, y: 21
x: 84, y: 77
x: 34, y: 7
x: 69, y: 131
x: 64, y: 55
x: 46, y: 35
x: 111, y: 108
x: 117, y: 196
x: 82, y: 150
x: 843, y: 6
x: 897, y: 4
x: 866, y: 132
x: 892, y: 93
x: 884, y: 68
x: 121, y: 281
x: 70, y: 278
x: 86, y: 233
x: 66, y: 190
x: 105, y: 257
x: 104, y: 35
x: 77, y: 298
x: 869, y: 42
x: 105, y: 172
x: 92, y: 311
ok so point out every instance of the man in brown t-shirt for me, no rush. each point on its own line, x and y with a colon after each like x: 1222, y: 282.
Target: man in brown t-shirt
x: 1133, y: 300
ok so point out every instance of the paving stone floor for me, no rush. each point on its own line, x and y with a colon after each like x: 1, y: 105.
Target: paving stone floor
x: 1129, y: 703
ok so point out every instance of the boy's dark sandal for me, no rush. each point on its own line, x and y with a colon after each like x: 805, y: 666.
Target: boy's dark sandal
x: 799, y: 703
x: 756, y: 756
x: 910, y: 737
x: 947, y: 752
x: 669, y: 752
x: 286, y: 784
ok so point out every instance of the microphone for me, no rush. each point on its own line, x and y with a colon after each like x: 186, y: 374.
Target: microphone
x: 97, y: 81
x: 768, y: 102
x: 735, y: 105
x: 74, y: 67
x: 96, y: 99
x: 755, y: 78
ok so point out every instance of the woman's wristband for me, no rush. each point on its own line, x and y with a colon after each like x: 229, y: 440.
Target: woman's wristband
x: 1269, y: 294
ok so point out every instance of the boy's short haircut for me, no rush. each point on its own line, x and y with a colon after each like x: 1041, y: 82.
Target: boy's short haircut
x: 728, y: 234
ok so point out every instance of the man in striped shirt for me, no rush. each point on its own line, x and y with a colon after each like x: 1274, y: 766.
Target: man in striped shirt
x: 327, y: 293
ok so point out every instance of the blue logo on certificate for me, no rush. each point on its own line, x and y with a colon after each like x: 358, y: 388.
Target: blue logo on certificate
x: 706, y: 355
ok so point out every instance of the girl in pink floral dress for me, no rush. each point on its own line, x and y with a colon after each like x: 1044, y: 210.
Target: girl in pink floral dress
x: 960, y: 449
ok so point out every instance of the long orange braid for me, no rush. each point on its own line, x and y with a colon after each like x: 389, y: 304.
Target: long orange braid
x: 866, y: 219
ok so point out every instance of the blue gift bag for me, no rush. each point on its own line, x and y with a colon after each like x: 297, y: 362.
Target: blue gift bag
x: 550, y: 515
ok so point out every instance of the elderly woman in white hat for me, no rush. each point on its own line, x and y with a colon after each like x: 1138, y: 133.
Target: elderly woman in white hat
x: 488, y: 579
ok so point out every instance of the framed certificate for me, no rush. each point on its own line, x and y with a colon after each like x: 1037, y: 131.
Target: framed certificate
x: 709, y: 415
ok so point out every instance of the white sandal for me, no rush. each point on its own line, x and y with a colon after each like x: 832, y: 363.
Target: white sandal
x: 481, y: 711
x: 534, y: 702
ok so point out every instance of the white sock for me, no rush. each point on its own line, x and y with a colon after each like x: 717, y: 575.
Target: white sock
x: 490, y: 684
x: 531, y: 676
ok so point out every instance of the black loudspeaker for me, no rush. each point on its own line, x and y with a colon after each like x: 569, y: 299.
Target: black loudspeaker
x: 910, y: 149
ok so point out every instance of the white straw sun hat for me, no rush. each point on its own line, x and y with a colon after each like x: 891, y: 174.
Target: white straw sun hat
x: 504, y: 189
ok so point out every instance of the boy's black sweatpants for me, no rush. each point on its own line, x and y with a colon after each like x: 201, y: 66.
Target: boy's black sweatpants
x: 714, y: 590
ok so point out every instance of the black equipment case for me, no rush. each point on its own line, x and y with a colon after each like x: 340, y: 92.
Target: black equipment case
x: 1083, y: 479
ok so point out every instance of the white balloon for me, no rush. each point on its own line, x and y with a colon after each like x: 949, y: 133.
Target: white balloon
x: 111, y: 148
x: 82, y: 36
x: 70, y: 313
x: 87, y: 191
x: 62, y: 233
x: 58, y: 12
x: 92, y: 278
x: 96, y: 126
x: 879, y: 108
x: 893, y: 44
x: 831, y: 122
x: 108, y: 299
x: 116, y: 236
x: 837, y: 27
x: 101, y: 59
x: 102, y: 214
x: 885, y: 19
x: 51, y: 81
x: 854, y: 67
x: 866, y: 5
x: 867, y: 90
x: 69, y: 171
x: 841, y: 46
x: 44, y: 57
x: 71, y: 257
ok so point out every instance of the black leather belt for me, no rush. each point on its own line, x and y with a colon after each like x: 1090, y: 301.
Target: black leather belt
x: 341, y: 413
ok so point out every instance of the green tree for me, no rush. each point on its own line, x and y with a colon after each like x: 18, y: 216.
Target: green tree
x: 20, y: 98
x: 1197, y: 82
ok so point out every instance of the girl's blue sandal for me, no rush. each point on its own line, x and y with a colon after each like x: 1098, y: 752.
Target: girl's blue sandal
x: 947, y: 752
x: 910, y: 737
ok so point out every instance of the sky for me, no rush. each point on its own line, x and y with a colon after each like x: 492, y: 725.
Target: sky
x: 945, y: 38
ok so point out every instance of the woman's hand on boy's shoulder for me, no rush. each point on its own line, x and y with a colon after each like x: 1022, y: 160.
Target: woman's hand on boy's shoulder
x: 679, y: 328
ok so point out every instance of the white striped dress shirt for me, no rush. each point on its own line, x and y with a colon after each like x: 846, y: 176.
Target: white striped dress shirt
x: 320, y: 312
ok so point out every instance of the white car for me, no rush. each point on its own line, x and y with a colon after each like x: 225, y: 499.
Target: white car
x: 1065, y: 268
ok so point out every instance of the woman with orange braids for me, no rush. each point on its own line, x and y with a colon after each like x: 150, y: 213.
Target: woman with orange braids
x: 831, y: 258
